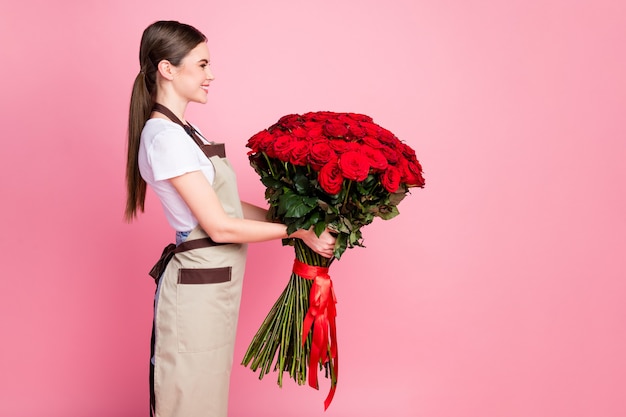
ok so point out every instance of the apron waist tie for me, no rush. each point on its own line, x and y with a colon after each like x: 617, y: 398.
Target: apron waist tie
x: 171, y: 249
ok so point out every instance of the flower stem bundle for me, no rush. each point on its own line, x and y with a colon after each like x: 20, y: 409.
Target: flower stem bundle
x: 321, y: 170
x: 278, y: 344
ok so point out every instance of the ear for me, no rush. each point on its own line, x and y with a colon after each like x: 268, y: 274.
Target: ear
x: 166, y: 69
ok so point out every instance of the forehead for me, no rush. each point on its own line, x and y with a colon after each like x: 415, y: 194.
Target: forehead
x: 199, y: 53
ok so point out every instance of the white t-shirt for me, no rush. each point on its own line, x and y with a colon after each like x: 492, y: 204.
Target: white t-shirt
x: 167, y: 151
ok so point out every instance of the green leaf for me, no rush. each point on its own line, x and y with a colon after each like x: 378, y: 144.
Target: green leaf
x: 291, y: 228
x: 288, y: 199
x: 298, y: 222
x: 298, y: 207
x: 319, y: 228
x: 341, y: 244
x: 355, y: 238
x: 397, y: 197
x: 311, y: 219
x: 288, y: 242
x: 348, y: 224
x: 329, y: 208
x: 342, y: 227
x: 367, y: 186
x: 271, y: 182
x: 302, y: 184
x: 388, y: 212
x: 272, y: 213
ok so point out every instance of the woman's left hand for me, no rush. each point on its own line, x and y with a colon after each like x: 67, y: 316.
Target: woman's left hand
x: 323, y: 245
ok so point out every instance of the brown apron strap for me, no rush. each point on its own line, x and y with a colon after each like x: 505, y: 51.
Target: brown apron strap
x: 171, y: 249
x: 214, y: 149
x: 204, y: 242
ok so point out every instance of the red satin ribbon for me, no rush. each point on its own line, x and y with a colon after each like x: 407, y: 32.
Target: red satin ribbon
x: 322, y: 313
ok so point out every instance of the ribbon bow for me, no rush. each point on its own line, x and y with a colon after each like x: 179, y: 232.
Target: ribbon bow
x: 321, y: 316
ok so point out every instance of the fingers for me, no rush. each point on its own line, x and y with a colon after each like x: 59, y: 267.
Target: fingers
x: 323, y: 245
x: 325, y: 253
x: 327, y: 244
x: 328, y: 236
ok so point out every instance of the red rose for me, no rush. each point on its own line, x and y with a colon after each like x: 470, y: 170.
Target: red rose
x: 320, y: 154
x: 354, y: 165
x: 344, y: 118
x: 376, y: 158
x: 390, y: 154
x: 330, y: 177
x: 326, y: 115
x: 371, y: 141
x: 260, y: 141
x: 288, y: 118
x: 282, y: 147
x: 315, y: 132
x: 354, y: 128
x: 309, y: 124
x: 253, y: 143
x: 353, y: 146
x: 299, y: 153
x: 388, y: 138
x: 335, y: 128
x: 359, y: 117
x: 407, y: 151
x: 413, y: 175
x: 390, y: 179
x: 299, y: 132
x: 289, y: 121
x: 403, y: 166
x: 340, y: 146
x: 372, y: 129
x: 269, y: 141
x: 319, y: 116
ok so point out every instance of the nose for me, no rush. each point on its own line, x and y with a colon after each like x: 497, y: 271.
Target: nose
x: 209, y: 73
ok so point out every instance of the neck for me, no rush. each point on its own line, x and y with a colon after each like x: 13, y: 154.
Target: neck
x: 174, y: 103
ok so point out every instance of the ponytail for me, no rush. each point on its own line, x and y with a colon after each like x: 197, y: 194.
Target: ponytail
x: 141, y: 103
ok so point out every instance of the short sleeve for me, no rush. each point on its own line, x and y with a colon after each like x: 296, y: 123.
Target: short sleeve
x: 172, y: 153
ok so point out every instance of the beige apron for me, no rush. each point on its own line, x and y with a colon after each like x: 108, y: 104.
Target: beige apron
x: 196, y: 318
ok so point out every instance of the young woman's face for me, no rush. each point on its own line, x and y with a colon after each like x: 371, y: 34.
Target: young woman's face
x: 193, y: 75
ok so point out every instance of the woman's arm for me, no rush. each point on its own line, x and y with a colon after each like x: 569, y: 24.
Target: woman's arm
x: 252, y: 212
x: 203, y: 202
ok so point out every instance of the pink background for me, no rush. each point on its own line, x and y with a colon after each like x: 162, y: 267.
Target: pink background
x: 499, y: 290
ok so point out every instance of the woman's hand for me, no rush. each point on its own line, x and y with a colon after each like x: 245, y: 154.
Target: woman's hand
x: 323, y: 245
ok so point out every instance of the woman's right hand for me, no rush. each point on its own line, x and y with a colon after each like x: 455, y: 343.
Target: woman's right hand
x: 323, y: 245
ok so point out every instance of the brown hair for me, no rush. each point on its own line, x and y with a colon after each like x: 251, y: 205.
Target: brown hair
x: 163, y: 40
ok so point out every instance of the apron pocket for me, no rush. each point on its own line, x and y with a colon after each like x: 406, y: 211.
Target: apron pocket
x: 204, y: 275
x: 204, y: 309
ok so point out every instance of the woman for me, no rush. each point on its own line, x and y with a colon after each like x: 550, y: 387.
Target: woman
x: 199, y: 287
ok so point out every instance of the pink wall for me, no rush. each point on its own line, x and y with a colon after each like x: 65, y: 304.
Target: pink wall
x: 498, y: 292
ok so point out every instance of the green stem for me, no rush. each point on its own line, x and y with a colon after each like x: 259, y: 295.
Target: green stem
x: 345, y: 200
x: 269, y: 164
x: 278, y: 342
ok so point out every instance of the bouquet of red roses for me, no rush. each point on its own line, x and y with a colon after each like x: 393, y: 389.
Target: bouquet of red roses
x: 322, y: 169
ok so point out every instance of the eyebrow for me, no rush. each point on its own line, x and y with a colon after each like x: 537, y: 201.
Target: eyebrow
x: 206, y: 61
